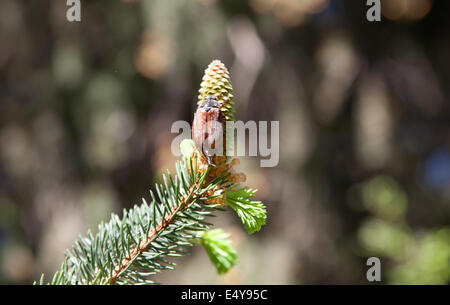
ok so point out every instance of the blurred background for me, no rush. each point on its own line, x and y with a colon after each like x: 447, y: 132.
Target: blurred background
x: 86, y: 109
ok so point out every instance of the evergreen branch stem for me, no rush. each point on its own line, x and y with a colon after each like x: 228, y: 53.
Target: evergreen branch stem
x: 168, y: 219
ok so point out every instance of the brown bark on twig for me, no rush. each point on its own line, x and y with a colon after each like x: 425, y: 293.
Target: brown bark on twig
x: 143, y: 246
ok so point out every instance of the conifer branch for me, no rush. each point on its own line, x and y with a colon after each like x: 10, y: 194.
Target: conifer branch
x: 168, y: 219
x: 128, y: 250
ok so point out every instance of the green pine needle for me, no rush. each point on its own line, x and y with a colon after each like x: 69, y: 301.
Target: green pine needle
x: 252, y: 213
x: 219, y: 250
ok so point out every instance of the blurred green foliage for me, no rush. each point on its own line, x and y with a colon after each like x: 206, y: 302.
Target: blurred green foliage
x: 420, y: 256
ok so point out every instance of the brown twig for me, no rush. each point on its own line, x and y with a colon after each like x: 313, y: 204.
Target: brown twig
x: 145, y: 243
